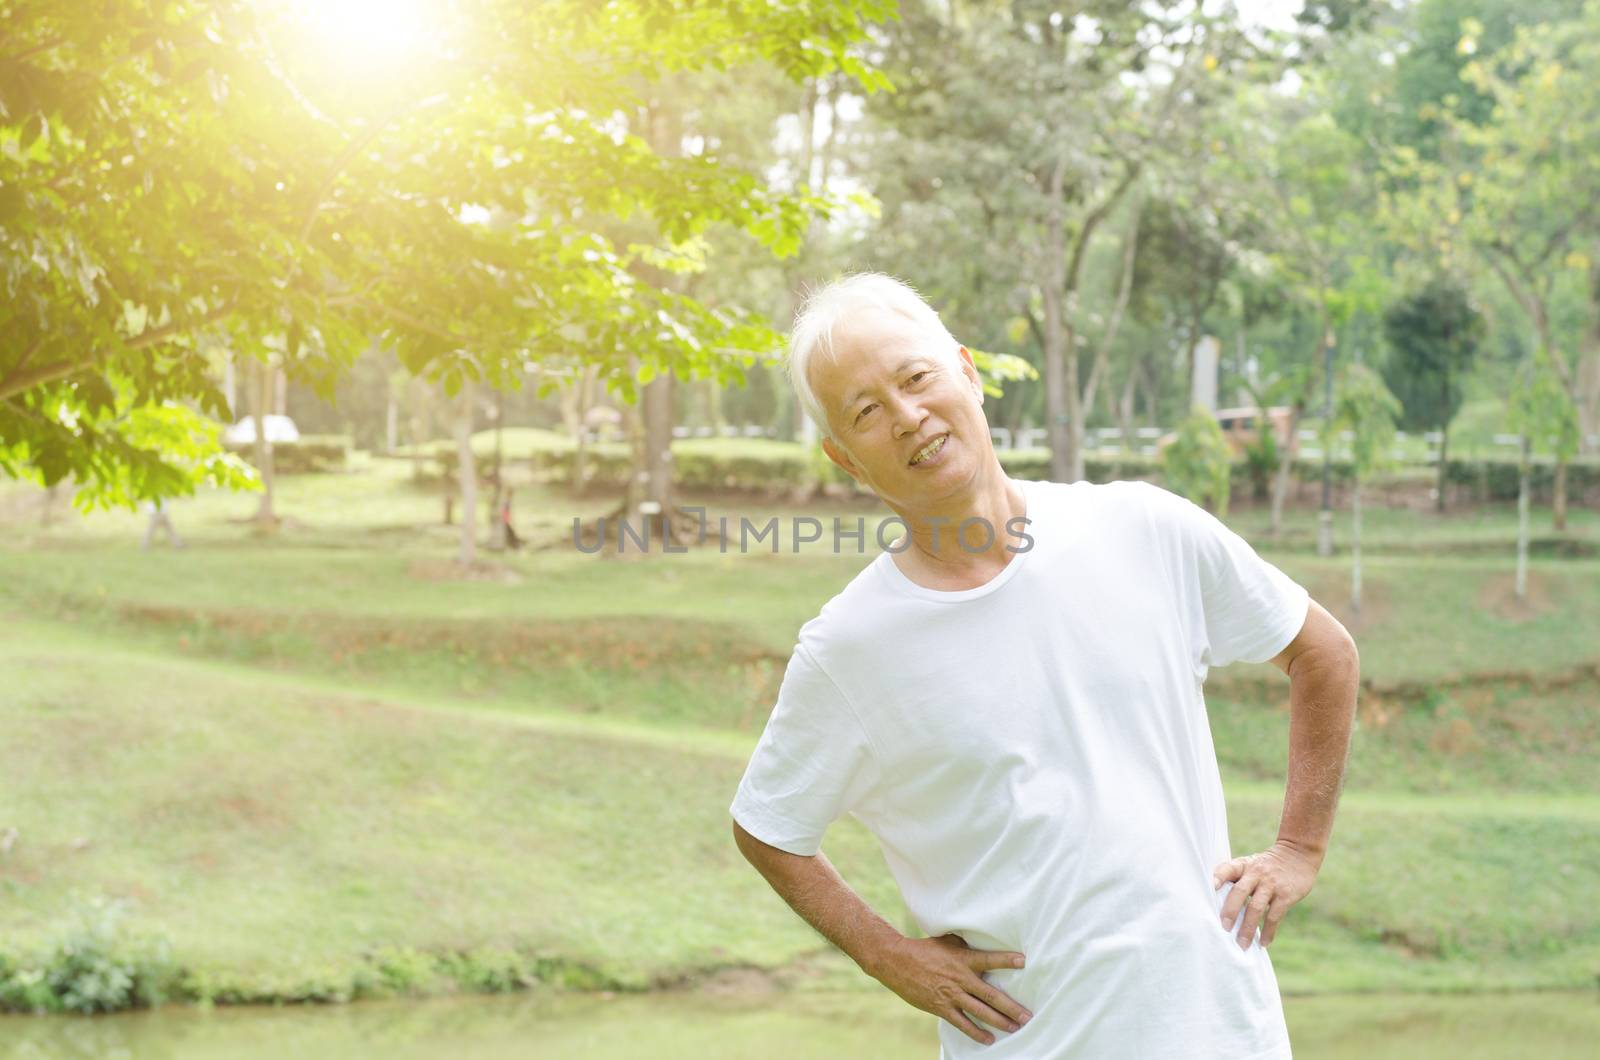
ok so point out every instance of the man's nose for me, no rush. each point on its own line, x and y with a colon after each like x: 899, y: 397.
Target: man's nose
x: 908, y: 415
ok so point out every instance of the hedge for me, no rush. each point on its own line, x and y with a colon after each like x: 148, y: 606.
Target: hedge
x: 313, y: 452
x: 761, y: 465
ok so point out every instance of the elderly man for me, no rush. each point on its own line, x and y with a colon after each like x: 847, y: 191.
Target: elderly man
x: 1019, y: 721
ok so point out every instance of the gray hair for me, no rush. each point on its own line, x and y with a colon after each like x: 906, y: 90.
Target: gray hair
x: 825, y: 306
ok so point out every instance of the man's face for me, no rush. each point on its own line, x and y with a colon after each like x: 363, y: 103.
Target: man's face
x: 890, y: 392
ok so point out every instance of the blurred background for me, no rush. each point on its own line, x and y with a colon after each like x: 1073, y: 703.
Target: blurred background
x: 339, y: 339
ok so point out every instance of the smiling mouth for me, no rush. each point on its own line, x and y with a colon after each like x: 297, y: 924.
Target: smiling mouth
x: 932, y: 449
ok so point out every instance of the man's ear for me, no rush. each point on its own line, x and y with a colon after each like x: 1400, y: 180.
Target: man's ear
x: 970, y: 370
x: 839, y: 457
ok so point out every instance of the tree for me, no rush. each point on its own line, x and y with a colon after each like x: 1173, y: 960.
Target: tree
x: 1198, y: 464
x: 180, y: 168
x: 1312, y: 193
x: 999, y: 198
x: 1521, y: 193
x: 1540, y: 410
x: 1433, y: 336
x: 1195, y: 228
x: 1366, y: 408
x: 1415, y: 89
x: 467, y: 474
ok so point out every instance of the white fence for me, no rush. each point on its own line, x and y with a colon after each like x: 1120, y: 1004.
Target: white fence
x: 1108, y: 440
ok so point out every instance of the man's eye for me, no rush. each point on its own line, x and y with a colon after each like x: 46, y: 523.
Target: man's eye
x: 919, y: 375
x: 864, y: 411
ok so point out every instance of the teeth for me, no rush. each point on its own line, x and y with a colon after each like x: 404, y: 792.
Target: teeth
x: 929, y: 449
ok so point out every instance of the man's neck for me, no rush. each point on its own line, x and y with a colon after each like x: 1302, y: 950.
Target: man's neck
x: 940, y: 553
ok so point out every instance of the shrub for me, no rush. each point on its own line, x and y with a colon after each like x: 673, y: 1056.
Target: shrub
x: 91, y: 967
x: 1198, y: 464
x: 312, y: 453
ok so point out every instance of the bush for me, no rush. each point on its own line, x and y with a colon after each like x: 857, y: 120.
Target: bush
x: 404, y: 971
x: 312, y: 453
x: 1260, y: 463
x: 90, y: 968
x: 1198, y: 464
x: 767, y: 466
x: 1498, y: 479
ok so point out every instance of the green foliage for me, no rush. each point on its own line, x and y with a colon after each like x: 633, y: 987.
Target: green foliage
x: 1008, y: 116
x: 1499, y: 480
x: 93, y: 966
x: 995, y: 369
x: 1510, y: 188
x: 1311, y: 194
x: 1198, y: 463
x: 1541, y: 409
x: 309, y: 453
x: 1433, y: 336
x: 1261, y: 456
x: 180, y: 176
x: 820, y: 466
x: 1364, y: 406
x: 1261, y: 462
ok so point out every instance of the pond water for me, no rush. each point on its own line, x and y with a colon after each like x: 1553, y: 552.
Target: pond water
x: 798, y: 1026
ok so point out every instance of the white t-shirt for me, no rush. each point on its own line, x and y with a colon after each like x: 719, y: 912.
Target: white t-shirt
x: 1034, y: 757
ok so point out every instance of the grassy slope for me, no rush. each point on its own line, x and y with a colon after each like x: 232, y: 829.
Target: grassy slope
x: 277, y: 810
x: 314, y: 825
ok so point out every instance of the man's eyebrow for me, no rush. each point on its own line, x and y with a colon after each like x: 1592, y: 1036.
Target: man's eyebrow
x: 902, y: 366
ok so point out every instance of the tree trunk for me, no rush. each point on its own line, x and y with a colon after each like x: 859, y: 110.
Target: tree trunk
x: 1122, y: 410
x: 1195, y: 324
x: 497, y: 498
x: 580, y: 430
x: 649, y: 508
x: 1589, y: 401
x: 467, y: 476
x: 1522, y: 522
x: 658, y: 417
x: 1064, y: 399
x: 391, y: 421
x: 1444, y: 448
x: 1102, y: 360
x: 1280, y: 487
x: 1558, y: 503
x: 1243, y: 354
x: 1355, y: 544
x: 827, y: 95
x: 1584, y: 390
x: 419, y: 419
x: 266, y: 514
x: 808, y: 129
x: 1586, y: 397
x: 1152, y: 398
x: 230, y: 385
x: 713, y: 396
x: 1075, y: 430
x: 1057, y: 378
x: 1325, y: 510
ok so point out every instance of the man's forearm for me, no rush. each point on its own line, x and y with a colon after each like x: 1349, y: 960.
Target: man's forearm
x: 821, y: 897
x: 1322, y: 701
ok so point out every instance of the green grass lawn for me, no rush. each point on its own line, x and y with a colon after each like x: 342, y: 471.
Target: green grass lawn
x: 318, y: 766
x: 1488, y: 530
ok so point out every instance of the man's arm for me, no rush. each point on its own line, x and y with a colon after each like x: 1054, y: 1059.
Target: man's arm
x: 1324, y: 671
x: 941, y: 976
x: 816, y: 891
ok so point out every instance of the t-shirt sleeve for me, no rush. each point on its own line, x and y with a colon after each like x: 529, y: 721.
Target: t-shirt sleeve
x: 1249, y: 609
x: 813, y: 764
